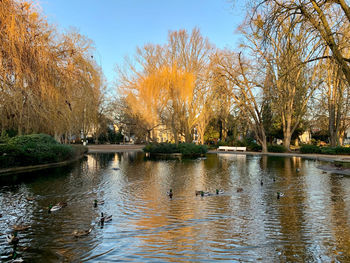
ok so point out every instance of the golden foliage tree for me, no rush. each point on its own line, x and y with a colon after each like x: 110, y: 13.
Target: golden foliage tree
x: 48, y: 81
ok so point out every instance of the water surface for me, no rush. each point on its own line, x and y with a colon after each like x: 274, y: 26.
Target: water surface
x: 309, y: 223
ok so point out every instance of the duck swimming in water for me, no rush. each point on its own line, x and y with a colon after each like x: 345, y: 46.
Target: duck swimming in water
x: 81, y: 233
x: 170, y: 193
x: 20, y: 227
x: 12, y: 239
x: 96, y: 203
x: 240, y: 189
x: 279, y: 195
x: 219, y: 191
x: 57, y: 207
x: 104, y: 218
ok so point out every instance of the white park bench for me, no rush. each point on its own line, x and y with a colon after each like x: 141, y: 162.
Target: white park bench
x: 231, y: 148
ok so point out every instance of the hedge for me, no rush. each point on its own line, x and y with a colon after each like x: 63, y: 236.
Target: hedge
x: 324, y: 150
x: 35, y: 149
x: 186, y: 149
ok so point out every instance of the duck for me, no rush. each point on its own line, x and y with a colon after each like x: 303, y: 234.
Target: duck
x: 298, y: 170
x: 81, y: 233
x: 198, y: 192
x: 261, y: 182
x: 279, y: 194
x: 57, y: 207
x: 240, y: 189
x: 12, y: 239
x: 116, y: 169
x: 96, y: 203
x: 21, y: 227
x: 104, y: 219
x: 219, y: 191
x: 205, y: 193
x: 170, y: 193
x: 30, y: 198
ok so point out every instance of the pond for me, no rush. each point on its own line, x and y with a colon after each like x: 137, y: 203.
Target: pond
x: 245, y: 223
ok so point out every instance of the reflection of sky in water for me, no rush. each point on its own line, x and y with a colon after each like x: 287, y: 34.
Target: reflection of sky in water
x: 309, y: 223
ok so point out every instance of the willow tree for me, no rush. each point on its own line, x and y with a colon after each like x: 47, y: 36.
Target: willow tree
x: 166, y: 83
x: 44, y: 75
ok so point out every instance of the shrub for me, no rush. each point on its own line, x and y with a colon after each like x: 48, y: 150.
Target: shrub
x: 276, y: 148
x: 36, y: 149
x: 310, y: 148
x: 187, y: 149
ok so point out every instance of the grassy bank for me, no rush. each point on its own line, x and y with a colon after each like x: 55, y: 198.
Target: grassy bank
x: 186, y: 149
x: 36, y: 149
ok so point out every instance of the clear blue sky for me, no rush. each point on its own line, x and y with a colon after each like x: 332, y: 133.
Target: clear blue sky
x: 117, y: 27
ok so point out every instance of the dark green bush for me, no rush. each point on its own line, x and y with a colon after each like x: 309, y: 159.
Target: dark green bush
x: 310, y: 148
x: 324, y: 150
x: 276, y: 148
x: 36, y: 149
x: 187, y: 149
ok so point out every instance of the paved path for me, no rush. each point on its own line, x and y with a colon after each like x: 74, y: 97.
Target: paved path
x: 112, y: 148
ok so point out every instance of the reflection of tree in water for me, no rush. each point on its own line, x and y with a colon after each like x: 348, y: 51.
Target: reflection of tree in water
x: 340, y: 221
x: 101, y: 160
x: 291, y: 213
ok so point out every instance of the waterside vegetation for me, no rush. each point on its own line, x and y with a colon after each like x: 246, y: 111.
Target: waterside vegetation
x: 185, y: 149
x: 35, y: 149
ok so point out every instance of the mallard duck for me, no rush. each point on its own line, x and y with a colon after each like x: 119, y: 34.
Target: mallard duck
x: 219, y: 191
x: 81, y: 233
x: 56, y: 207
x: 104, y: 218
x: 205, y: 193
x: 96, y: 203
x: 279, y: 195
x: 240, y: 189
x: 20, y: 227
x: 170, y: 193
x: 30, y: 198
x: 12, y: 239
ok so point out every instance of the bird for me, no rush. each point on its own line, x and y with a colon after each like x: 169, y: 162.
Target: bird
x: 279, y: 195
x: 21, y: 227
x: 104, y: 218
x: 261, y: 182
x: 81, y: 233
x: 198, y: 192
x: 205, y: 193
x: 96, y: 203
x: 12, y: 239
x: 274, y: 179
x: 56, y: 207
x: 170, y: 193
x: 219, y: 191
x: 240, y: 189
x: 298, y: 170
x: 116, y: 168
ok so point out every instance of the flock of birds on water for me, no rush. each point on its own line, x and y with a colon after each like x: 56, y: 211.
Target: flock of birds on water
x: 13, y: 239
